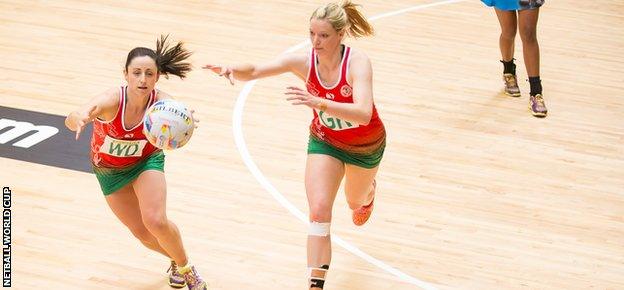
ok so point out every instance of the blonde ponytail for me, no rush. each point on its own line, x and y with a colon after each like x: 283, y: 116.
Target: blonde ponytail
x: 344, y: 16
x: 358, y: 24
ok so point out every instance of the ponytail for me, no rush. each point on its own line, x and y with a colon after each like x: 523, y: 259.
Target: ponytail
x: 169, y: 60
x: 344, y: 16
x: 358, y: 25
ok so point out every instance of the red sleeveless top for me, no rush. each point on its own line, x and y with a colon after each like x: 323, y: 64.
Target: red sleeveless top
x: 114, y: 146
x: 348, y: 136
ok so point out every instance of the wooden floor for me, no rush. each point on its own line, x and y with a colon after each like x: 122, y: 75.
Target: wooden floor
x: 474, y: 193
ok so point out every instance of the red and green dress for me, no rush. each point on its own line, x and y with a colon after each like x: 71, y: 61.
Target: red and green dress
x: 120, y: 154
x: 361, y: 145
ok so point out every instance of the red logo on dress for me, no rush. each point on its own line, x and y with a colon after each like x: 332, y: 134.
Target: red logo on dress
x: 345, y: 91
x: 112, y: 131
x: 311, y: 89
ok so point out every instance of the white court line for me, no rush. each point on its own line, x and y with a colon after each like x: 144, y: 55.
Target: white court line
x: 237, y: 127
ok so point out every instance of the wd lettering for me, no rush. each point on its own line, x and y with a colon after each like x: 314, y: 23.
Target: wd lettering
x: 122, y: 148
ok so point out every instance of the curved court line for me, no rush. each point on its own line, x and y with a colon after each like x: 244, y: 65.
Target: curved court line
x: 237, y: 127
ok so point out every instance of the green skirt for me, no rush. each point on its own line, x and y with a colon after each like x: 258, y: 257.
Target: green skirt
x: 372, y: 160
x: 113, y: 179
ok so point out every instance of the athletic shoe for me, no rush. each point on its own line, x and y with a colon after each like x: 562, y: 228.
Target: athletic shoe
x: 511, y: 85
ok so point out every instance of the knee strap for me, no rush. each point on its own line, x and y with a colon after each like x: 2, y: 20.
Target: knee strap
x: 319, y: 229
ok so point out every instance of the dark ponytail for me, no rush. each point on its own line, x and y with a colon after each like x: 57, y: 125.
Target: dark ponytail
x: 169, y: 60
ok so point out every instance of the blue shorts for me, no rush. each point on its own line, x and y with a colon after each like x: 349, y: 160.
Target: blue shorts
x: 514, y: 4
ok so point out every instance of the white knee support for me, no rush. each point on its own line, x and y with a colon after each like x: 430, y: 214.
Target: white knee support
x: 319, y: 229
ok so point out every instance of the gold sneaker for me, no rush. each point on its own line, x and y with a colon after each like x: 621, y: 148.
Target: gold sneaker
x: 537, y: 106
x: 511, y: 85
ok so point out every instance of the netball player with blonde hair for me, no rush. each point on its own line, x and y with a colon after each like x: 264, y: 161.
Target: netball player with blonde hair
x: 133, y: 181
x: 347, y: 138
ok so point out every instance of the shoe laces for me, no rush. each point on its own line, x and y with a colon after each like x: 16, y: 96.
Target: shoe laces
x: 539, y: 99
x: 173, y: 268
x: 510, y: 79
x: 191, y: 278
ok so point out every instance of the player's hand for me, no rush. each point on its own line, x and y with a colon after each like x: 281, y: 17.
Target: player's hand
x: 195, y: 120
x: 81, y: 120
x: 298, y: 96
x: 223, y: 71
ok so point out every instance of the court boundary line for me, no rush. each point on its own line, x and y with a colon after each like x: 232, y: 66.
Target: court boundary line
x: 237, y: 128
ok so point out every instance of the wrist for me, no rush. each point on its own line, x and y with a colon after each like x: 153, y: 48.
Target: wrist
x: 321, y: 105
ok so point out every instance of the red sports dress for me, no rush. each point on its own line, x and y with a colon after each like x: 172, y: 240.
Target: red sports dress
x: 114, y: 146
x: 347, y: 136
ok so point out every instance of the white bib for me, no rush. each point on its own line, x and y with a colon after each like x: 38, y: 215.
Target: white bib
x: 122, y: 148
